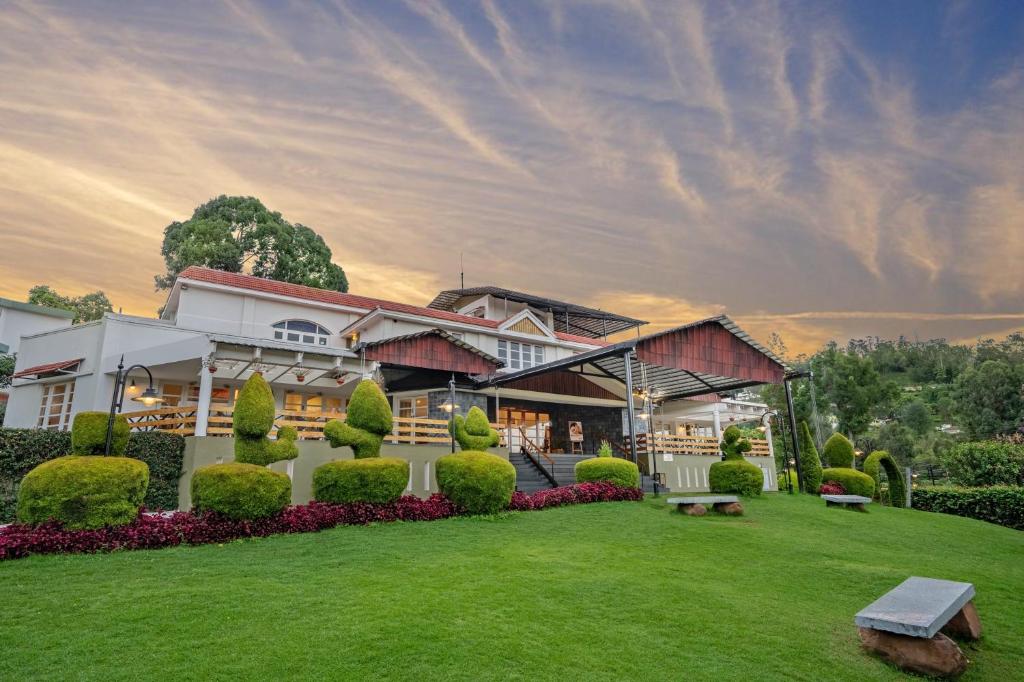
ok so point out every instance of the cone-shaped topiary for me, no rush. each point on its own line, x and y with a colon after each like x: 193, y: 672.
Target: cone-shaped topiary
x: 878, y: 460
x: 367, y: 421
x: 474, y: 432
x: 253, y: 420
x: 810, y: 463
x: 734, y: 445
x: 89, y: 434
x: 838, y: 451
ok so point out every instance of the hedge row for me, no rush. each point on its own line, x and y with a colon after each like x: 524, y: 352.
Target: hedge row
x: 1003, y: 505
x: 186, y: 528
x: 22, y: 450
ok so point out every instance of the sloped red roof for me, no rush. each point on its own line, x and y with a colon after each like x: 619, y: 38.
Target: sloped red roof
x: 270, y: 286
x: 46, y: 369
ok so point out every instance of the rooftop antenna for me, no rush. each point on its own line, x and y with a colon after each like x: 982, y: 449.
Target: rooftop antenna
x: 462, y: 273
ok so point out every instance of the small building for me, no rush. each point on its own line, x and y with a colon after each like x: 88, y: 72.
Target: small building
x: 544, y: 370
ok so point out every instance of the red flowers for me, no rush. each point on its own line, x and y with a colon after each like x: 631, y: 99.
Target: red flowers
x: 832, y: 488
x: 177, y: 528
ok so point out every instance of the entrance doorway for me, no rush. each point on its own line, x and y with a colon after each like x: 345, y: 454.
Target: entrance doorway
x: 514, y: 422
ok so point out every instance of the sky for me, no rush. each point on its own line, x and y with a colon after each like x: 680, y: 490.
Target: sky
x: 823, y: 170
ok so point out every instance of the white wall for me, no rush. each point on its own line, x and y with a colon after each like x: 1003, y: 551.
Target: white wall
x: 15, y: 323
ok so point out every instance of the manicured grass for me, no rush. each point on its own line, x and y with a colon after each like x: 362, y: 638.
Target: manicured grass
x: 618, y: 590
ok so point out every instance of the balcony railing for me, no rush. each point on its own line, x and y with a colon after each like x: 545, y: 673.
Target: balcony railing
x: 309, y: 424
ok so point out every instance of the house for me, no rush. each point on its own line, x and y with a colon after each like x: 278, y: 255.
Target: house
x: 543, y: 370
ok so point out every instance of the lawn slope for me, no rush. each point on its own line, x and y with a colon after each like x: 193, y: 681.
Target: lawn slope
x: 607, y: 591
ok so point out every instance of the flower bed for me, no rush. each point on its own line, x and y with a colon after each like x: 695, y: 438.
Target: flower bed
x: 186, y: 528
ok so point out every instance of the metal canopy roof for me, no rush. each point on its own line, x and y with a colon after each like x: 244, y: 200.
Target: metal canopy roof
x: 663, y: 381
x: 581, y: 320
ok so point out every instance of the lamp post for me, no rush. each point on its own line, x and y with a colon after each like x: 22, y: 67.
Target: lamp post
x: 148, y: 398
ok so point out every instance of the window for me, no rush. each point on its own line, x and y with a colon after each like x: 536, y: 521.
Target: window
x: 301, y: 331
x: 55, y: 408
x: 412, y: 408
x: 517, y: 355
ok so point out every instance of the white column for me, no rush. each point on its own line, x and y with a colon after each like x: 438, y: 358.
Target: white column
x: 718, y: 422
x: 203, y: 404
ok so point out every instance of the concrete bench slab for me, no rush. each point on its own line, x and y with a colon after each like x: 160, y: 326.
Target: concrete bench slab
x: 918, y: 607
x: 694, y: 505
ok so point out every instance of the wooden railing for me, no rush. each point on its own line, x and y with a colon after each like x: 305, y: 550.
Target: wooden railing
x: 309, y: 424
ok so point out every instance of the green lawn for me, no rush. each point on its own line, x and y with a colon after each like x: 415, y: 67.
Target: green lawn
x: 605, y: 591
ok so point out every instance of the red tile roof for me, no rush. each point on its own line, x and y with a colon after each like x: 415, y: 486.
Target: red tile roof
x: 270, y: 286
x: 46, y: 369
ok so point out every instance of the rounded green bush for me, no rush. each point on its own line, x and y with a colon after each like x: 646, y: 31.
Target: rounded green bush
x: 838, y: 452
x: 878, y: 460
x: 240, y: 491
x: 84, y: 492
x: 479, y: 482
x: 611, y: 469
x: 854, y: 482
x: 89, y: 434
x: 374, y: 479
x: 735, y: 476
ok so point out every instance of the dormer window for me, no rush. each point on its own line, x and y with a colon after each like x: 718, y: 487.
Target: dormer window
x: 301, y: 331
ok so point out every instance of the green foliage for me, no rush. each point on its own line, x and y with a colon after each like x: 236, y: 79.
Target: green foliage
x: 605, y: 449
x: 854, y: 482
x: 873, y: 466
x: 474, y: 432
x: 612, y: 469
x: 376, y: 479
x: 367, y: 421
x: 982, y: 463
x: 479, y: 482
x: 989, y: 399
x: 84, y: 492
x: 227, y: 233
x: 86, y: 308
x: 734, y: 445
x: 253, y: 419
x: 810, y: 463
x: 89, y: 434
x: 21, y: 450
x: 735, y: 476
x: 1003, y: 505
x: 240, y: 491
x: 838, y: 451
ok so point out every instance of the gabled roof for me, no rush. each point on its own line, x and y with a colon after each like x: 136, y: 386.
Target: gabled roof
x: 581, y: 319
x: 48, y: 368
x: 37, y: 309
x: 270, y: 286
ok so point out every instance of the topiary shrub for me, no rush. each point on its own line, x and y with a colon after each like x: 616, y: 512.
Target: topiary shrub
x: 367, y: 421
x: 89, y: 434
x: 736, y: 476
x: 838, y: 451
x: 733, y: 444
x: 479, y: 482
x: 240, y: 491
x: 375, y: 479
x: 810, y: 463
x: 84, y: 492
x: 474, y: 432
x: 878, y: 460
x: 612, y: 469
x: 854, y: 482
x: 253, y: 419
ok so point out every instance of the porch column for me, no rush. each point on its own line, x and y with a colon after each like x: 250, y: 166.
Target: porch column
x: 631, y: 421
x: 718, y: 422
x: 203, y: 404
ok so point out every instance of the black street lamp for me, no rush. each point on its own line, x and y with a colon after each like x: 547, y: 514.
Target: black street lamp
x: 148, y: 398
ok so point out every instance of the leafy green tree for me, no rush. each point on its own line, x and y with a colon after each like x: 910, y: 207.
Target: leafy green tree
x: 240, y: 233
x: 916, y: 416
x: 86, y: 308
x: 990, y: 398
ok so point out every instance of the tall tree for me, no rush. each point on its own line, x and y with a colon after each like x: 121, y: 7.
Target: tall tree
x: 86, y: 308
x: 239, y: 234
x: 990, y: 398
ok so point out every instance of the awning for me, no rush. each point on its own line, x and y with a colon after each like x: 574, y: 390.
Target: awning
x: 708, y: 356
x: 50, y: 368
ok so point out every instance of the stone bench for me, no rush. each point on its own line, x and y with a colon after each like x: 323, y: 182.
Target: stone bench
x: 908, y: 626
x: 855, y: 502
x: 695, y: 506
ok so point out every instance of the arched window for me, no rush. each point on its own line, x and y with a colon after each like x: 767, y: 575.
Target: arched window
x: 301, y: 331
